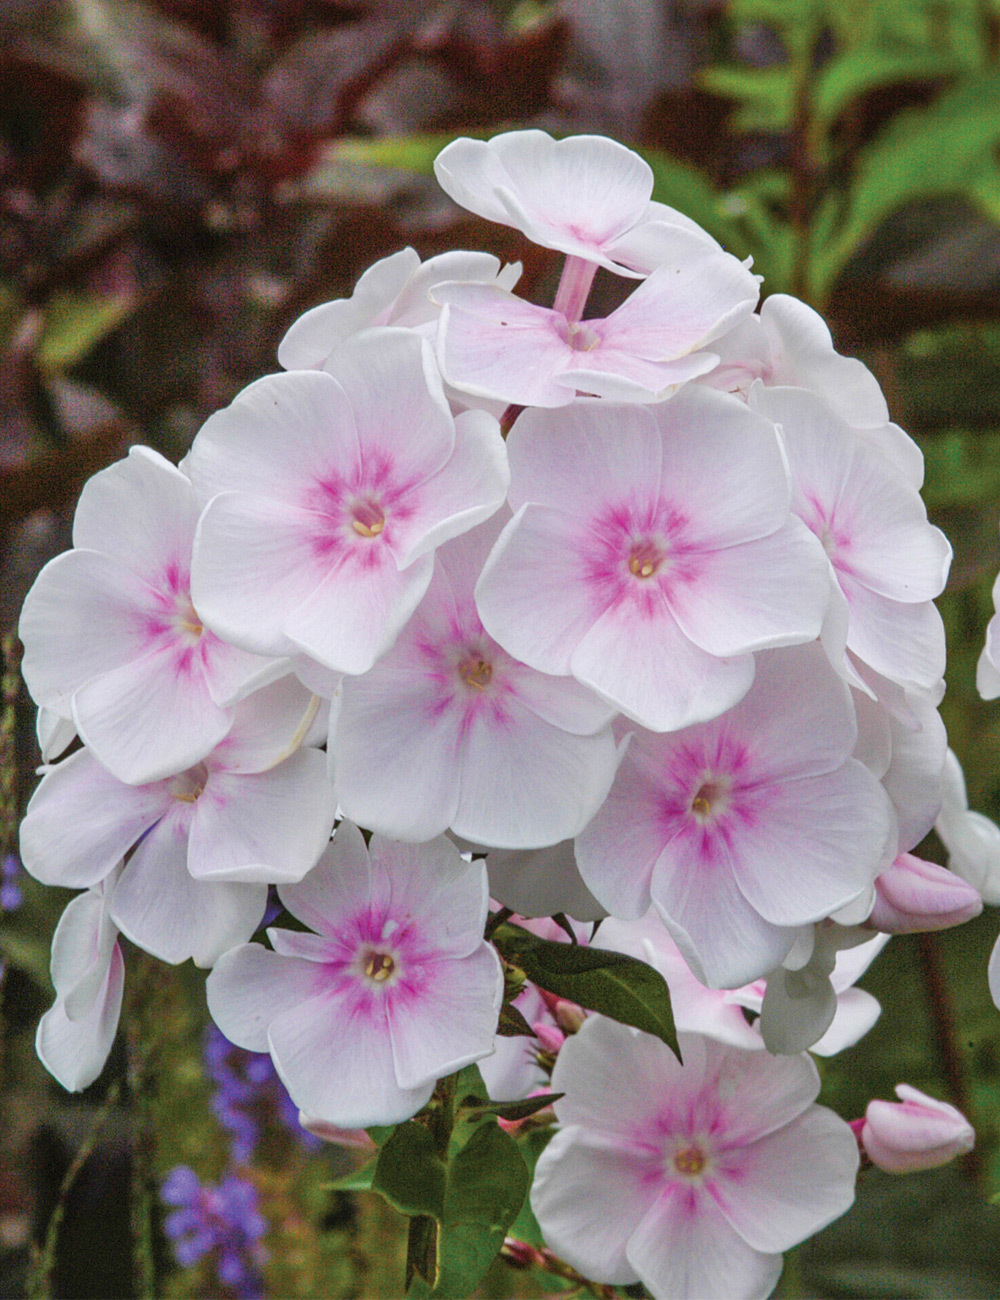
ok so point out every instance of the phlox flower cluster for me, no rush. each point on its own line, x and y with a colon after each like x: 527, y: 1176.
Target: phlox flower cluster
x: 624, y: 617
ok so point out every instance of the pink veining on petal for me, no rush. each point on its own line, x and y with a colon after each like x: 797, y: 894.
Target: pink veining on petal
x: 822, y: 519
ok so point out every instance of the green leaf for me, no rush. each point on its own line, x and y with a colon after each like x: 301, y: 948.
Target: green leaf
x: 486, y: 1187
x: 512, y: 1023
x: 76, y: 322
x: 409, y: 1174
x: 852, y: 74
x: 621, y: 987
x: 512, y: 1110
x: 765, y: 96
x: 358, y: 1180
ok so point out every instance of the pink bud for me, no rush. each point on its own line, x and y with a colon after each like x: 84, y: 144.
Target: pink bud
x: 917, y: 1132
x: 354, y: 1138
x: 914, y: 895
x: 549, y: 1036
x: 568, y: 1015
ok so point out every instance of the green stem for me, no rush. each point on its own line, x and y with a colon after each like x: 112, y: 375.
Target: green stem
x: 422, y: 1238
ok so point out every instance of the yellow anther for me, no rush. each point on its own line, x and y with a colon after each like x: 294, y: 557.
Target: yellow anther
x: 477, y: 673
x: 380, y: 966
x: 368, y: 530
x: 700, y: 805
x: 690, y: 1161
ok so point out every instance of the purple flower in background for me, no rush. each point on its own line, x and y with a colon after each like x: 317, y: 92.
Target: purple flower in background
x: 247, y: 1091
x: 223, y: 1218
x: 10, y: 887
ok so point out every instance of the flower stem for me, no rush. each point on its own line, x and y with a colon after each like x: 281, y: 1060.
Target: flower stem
x: 422, y: 1238
x: 574, y: 287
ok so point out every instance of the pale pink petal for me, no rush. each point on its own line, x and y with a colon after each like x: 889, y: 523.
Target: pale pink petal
x: 150, y: 718
x: 686, y: 1250
x: 811, y: 845
x: 540, y: 882
x: 250, y: 986
x: 141, y: 510
x: 313, y: 336
x: 335, y: 1059
x: 444, y: 896
x: 754, y: 1094
x: 393, y: 385
x: 278, y: 435
x: 81, y: 949
x: 530, y: 597
x: 55, y: 733
x: 618, y: 376
x: 856, y: 1013
x: 588, y: 1071
x: 578, y: 195
x: 648, y: 668
x: 159, y: 906
x: 417, y: 304
x: 694, y: 296
x: 573, y: 459
x: 905, y: 642
x: 357, y: 612
x: 588, y: 1196
x: 75, y: 1051
x: 269, y: 827
x: 525, y: 783
x: 723, y: 937
x: 339, y: 886
x: 255, y: 562
x: 464, y: 492
x: 232, y: 674
x: 81, y: 821
x: 397, y: 770
x: 772, y: 591
x: 449, y: 1020
x: 268, y: 726
x: 86, y: 615
x: 790, y: 1184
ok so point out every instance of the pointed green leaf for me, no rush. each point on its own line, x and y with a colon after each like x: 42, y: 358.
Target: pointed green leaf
x: 358, y: 1180
x: 621, y: 987
x: 514, y: 1110
x: 409, y: 1173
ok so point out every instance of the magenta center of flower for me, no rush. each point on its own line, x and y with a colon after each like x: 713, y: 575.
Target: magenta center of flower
x: 367, y: 518
x: 711, y: 799
x: 188, y: 785
x: 689, y: 1161
x: 645, y: 559
x: 476, y: 672
x: 186, y: 620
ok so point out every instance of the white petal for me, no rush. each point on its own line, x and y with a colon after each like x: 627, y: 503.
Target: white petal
x: 75, y: 1051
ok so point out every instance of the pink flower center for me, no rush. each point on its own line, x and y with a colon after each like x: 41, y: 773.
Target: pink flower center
x: 186, y: 620
x: 645, y: 559
x: 711, y: 799
x: 476, y: 672
x: 367, y: 518
x: 690, y: 1161
x: 188, y: 785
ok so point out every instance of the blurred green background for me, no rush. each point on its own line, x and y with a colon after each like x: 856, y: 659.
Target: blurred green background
x: 180, y: 179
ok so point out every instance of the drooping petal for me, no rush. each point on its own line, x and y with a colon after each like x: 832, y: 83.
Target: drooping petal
x: 75, y: 1051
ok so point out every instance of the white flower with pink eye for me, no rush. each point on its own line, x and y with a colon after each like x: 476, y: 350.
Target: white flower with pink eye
x: 447, y: 730
x: 652, y: 551
x: 112, y: 639
x: 395, y: 290
x: 889, y: 562
x: 327, y: 495
x: 689, y: 1178
x: 495, y: 345
x: 744, y: 829
x: 205, y: 843
x: 75, y: 1035
x: 396, y: 989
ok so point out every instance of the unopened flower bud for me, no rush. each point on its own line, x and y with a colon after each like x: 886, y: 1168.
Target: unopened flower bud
x: 549, y: 1036
x: 519, y: 1254
x: 917, y: 1132
x: 913, y: 895
x: 354, y: 1138
x: 569, y: 1016
x: 514, y: 980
